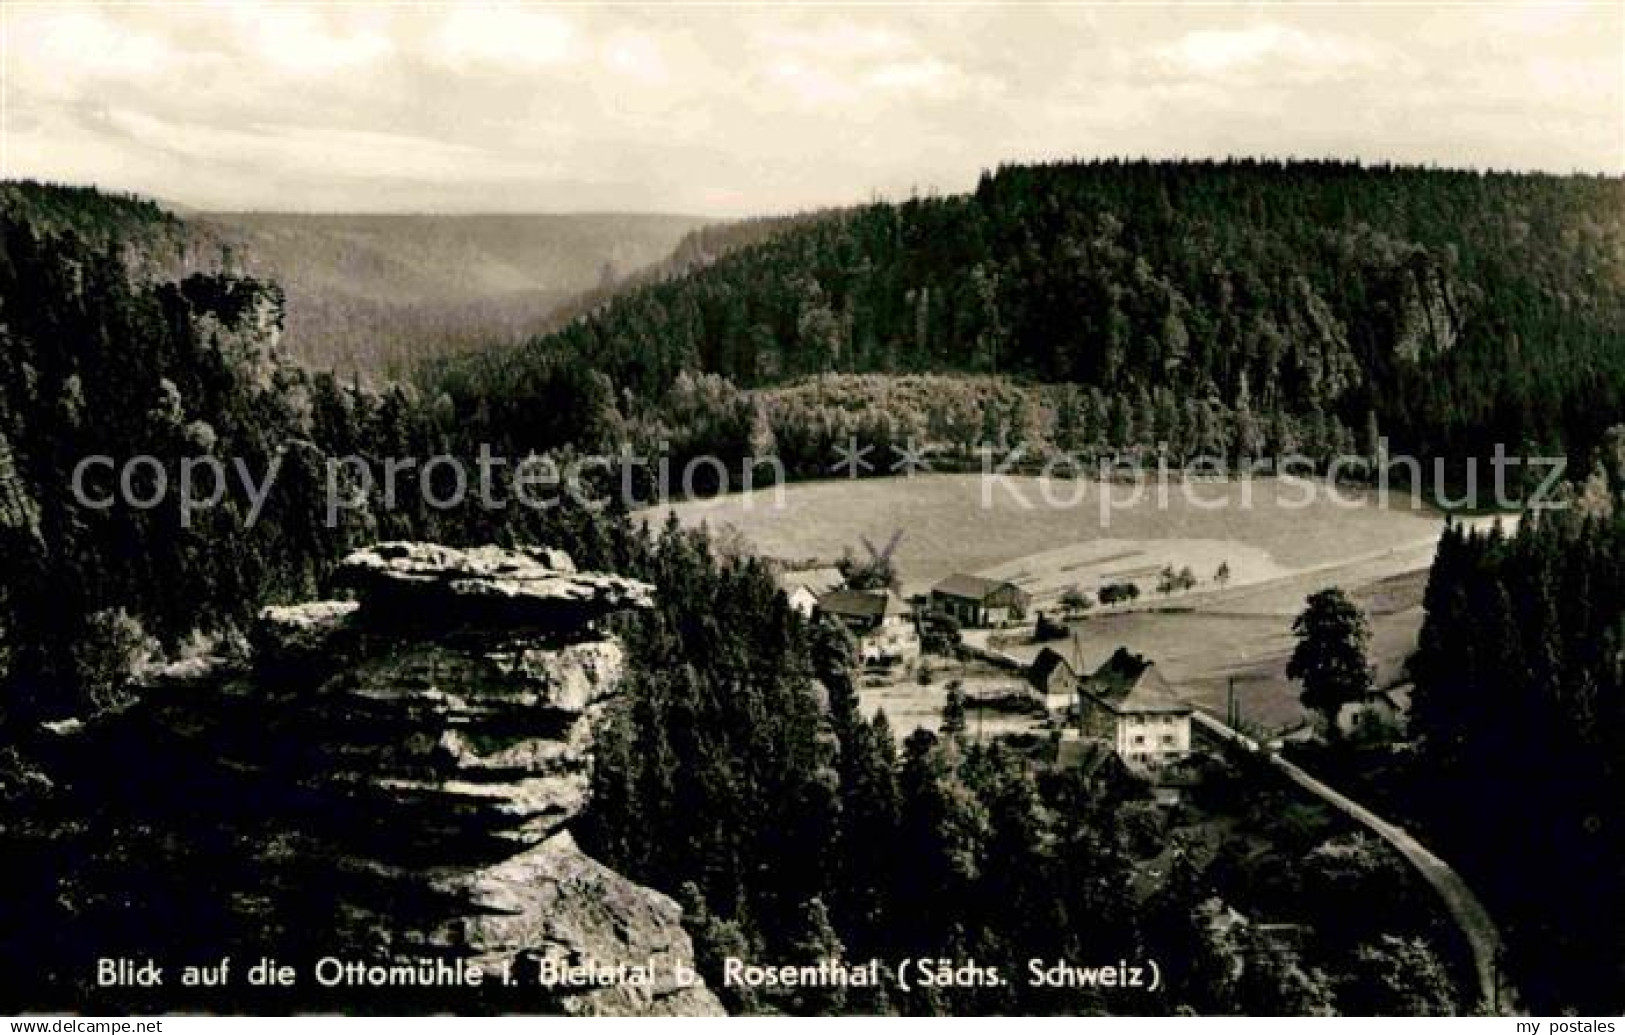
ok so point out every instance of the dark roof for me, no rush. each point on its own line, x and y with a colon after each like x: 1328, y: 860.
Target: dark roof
x: 972, y: 587
x: 1049, y: 659
x: 861, y: 603
x: 1085, y: 754
x: 1151, y: 694
x: 1129, y: 684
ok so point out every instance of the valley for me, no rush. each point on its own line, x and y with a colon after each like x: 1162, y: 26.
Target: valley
x: 1192, y: 311
x: 377, y: 293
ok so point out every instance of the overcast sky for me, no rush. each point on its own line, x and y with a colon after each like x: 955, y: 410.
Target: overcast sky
x: 730, y: 111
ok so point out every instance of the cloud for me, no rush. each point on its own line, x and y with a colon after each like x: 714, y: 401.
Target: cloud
x: 839, y: 41
x: 758, y: 109
x: 55, y: 51
x: 302, y: 41
x: 513, y: 37
x: 352, y: 154
x: 926, y: 76
x: 1215, y: 52
x: 1541, y: 18
x: 845, y: 65
x: 636, y: 55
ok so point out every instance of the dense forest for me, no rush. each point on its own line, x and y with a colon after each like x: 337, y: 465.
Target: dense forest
x: 1239, y: 308
x: 1520, y: 705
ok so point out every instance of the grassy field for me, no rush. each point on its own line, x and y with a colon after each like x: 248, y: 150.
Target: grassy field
x: 1277, y: 555
x: 951, y: 523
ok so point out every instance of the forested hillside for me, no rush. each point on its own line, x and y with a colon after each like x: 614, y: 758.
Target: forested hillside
x: 1305, y: 306
x: 110, y: 348
x: 698, y: 248
x: 374, y: 294
x: 150, y: 241
x: 1520, y: 703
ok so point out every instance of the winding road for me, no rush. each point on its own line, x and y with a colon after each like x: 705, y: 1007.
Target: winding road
x: 1470, y: 916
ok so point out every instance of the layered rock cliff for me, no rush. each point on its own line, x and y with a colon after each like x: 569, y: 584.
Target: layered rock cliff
x: 389, y: 779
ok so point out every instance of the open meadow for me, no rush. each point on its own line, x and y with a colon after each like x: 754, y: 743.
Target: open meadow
x: 1051, y: 533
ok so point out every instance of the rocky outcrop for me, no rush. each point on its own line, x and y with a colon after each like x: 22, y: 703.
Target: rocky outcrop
x: 18, y: 511
x: 1428, y: 311
x: 412, y: 584
x: 395, y: 778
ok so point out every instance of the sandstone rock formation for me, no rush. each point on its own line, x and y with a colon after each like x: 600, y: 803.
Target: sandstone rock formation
x: 488, y: 586
x: 1428, y: 318
x: 394, y: 778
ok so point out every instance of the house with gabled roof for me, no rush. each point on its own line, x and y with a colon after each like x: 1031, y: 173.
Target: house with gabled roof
x: 1055, y: 680
x: 880, y: 620
x: 978, y: 602
x: 802, y: 587
x: 1129, y: 704
x: 1094, y: 762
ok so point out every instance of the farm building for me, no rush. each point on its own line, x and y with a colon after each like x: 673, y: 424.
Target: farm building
x: 803, y: 587
x: 802, y: 599
x: 1129, y: 704
x: 979, y: 603
x: 882, y: 622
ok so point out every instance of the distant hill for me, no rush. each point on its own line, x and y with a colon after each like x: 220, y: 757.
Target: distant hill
x: 1226, y: 308
x: 698, y: 249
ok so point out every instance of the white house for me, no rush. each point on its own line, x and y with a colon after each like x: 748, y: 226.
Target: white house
x: 805, y: 586
x: 1128, y: 704
x: 802, y: 599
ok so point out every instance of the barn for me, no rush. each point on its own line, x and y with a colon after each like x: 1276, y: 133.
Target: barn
x: 977, y: 602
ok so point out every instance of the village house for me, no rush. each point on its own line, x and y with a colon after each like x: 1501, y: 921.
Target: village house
x: 1381, y: 713
x: 804, y: 586
x: 880, y: 620
x: 1093, y: 761
x: 980, y: 603
x: 1128, y: 704
x: 1053, y: 677
x: 802, y: 599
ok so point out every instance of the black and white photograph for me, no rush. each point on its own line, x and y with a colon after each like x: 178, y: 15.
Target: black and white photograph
x: 812, y: 509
